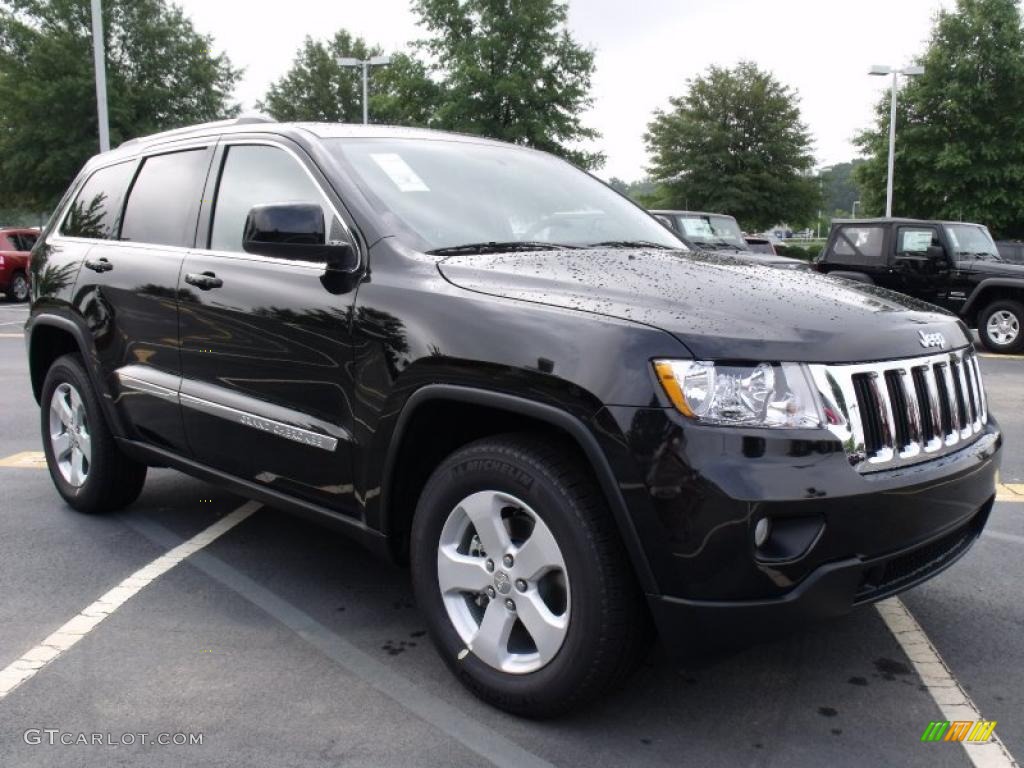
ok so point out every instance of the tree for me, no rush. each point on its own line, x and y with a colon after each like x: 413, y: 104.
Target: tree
x: 510, y: 70
x: 839, y: 188
x: 734, y: 144
x: 959, y: 137
x: 161, y: 74
x: 318, y: 88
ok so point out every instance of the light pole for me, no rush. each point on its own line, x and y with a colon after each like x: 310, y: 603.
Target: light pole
x: 374, y: 61
x: 821, y: 194
x: 881, y: 70
x: 99, y: 63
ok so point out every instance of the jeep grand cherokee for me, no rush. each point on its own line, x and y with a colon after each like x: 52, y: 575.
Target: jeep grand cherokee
x: 478, y: 359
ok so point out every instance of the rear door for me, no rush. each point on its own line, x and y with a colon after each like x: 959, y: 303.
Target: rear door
x: 266, y: 341
x: 127, y: 291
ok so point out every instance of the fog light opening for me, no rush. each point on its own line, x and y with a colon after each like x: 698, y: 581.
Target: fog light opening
x: 762, y: 530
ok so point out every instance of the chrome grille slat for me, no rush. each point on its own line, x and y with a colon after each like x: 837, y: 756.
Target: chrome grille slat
x: 907, y: 421
x: 933, y: 409
x: 916, y: 436
x: 953, y: 436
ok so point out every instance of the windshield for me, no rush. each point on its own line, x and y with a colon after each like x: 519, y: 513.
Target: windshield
x: 449, y: 194
x: 712, y: 230
x: 972, y: 241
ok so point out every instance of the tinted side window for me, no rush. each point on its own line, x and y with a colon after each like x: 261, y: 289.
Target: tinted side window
x: 859, y: 245
x: 28, y: 242
x: 255, y: 175
x: 916, y: 239
x: 164, y: 199
x: 97, y: 207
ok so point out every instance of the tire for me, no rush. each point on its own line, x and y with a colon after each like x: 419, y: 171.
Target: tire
x: 88, y: 469
x: 593, y: 595
x: 18, y: 290
x: 1001, y: 326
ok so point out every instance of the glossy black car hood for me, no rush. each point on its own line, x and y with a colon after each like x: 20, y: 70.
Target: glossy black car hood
x: 992, y: 268
x: 719, y: 307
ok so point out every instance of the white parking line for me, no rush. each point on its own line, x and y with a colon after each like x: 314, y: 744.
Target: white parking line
x: 951, y: 698
x: 17, y: 672
x: 420, y: 699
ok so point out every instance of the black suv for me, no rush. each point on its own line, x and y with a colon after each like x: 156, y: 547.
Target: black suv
x: 478, y: 359
x: 952, y: 264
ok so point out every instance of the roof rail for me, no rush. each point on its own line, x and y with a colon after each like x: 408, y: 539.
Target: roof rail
x: 247, y: 119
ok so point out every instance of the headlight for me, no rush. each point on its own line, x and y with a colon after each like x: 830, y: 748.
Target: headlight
x: 756, y: 395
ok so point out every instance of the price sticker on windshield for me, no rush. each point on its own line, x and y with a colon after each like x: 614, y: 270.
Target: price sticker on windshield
x: 404, y: 177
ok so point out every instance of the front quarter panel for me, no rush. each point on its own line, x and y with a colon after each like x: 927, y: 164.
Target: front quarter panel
x: 413, y: 328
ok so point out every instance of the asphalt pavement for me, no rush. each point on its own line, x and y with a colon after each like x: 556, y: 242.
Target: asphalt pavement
x: 283, y: 643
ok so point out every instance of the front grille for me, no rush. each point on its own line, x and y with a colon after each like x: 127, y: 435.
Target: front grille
x: 904, y: 411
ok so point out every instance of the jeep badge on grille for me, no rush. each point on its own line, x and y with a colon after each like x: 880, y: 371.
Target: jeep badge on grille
x: 932, y: 340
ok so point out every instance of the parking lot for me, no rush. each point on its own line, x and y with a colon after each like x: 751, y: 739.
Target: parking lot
x: 285, y: 644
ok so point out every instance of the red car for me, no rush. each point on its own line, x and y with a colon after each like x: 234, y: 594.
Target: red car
x: 14, y: 247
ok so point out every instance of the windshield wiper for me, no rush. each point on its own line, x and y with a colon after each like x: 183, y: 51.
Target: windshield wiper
x: 629, y: 244
x: 496, y: 246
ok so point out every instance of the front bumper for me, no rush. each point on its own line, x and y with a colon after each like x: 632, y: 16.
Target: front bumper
x: 696, y: 630
x: 845, y: 538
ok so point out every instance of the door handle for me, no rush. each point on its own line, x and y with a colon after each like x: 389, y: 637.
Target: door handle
x: 99, y: 265
x: 204, y: 281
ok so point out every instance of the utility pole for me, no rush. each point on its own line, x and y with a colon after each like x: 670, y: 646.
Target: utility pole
x: 99, y: 63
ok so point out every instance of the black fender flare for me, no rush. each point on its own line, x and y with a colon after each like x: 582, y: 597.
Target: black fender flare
x: 548, y: 414
x: 991, y: 282
x: 88, y: 353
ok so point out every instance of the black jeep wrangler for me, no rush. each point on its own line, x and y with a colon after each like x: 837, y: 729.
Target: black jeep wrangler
x: 952, y: 264
x: 480, y: 360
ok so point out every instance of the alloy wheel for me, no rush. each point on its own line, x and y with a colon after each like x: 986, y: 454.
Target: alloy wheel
x: 1003, y: 327
x: 504, y: 582
x: 69, y: 435
x: 19, y: 288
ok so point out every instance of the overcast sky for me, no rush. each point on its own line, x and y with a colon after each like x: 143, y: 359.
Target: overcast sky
x: 645, y: 51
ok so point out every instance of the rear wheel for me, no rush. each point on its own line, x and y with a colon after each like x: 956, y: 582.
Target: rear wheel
x: 524, y: 583
x: 1000, y: 326
x: 19, y: 289
x: 87, y: 467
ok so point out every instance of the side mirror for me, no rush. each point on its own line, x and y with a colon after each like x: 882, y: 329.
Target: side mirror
x: 936, y: 253
x: 294, y: 231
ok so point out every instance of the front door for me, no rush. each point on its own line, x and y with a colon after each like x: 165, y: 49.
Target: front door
x: 917, y: 271
x: 266, y: 341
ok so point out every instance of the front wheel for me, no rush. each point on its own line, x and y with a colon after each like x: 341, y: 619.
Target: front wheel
x: 19, y: 289
x: 523, y: 581
x: 1000, y: 326
x: 87, y: 467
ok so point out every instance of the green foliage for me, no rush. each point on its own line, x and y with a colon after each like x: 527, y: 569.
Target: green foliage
x: 959, y: 134
x: 734, y: 144
x: 510, y: 70
x: 160, y: 74
x: 317, y: 88
x: 839, y: 188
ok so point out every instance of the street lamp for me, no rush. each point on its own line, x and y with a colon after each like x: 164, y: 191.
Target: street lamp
x: 881, y: 70
x: 100, y: 66
x: 821, y: 193
x: 373, y: 61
